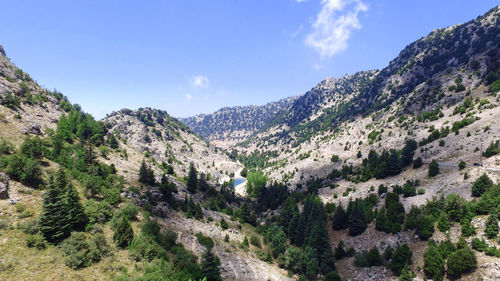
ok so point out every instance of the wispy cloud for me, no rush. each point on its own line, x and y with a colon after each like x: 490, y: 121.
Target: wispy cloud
x: 200, y: 81
x: 333, y: 25
x: 297, y: 31
x: 189, y: 97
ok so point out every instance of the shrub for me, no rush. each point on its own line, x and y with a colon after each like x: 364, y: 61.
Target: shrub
x: 97, y: 212
x: 461, y: 165
x: 255, y: 240
x: 146, y: 247
x: 461, y: 261
x: 36, y: 241
x: 123, y: 233
x: 223, y: 224
x: 417, y: 163
x: 479, y: 245
x: 29, y: 226
x: 205, y: 240
x: 81, y: 251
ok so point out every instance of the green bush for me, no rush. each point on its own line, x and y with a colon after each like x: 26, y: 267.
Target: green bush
x: 81, y: 251
x: 36, y: 241
x: 401, y: 257
x: 255, y: 240
x: 205, y: 240
x: 123, y: 232
x: 491, y: 230
x: 433, y: 169
x: 98, y: 212
x: 461, y: 261
x: 29, y: 226
x: 482, y: 184
x: 146, y: 247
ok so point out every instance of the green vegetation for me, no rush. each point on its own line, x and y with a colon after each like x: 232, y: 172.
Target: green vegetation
x: 433, y: 168
x: 256, y: 183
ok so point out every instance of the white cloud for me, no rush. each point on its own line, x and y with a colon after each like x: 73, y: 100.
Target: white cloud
x: 300, y: 1
x: 189, y: 97
x: 200, y: 81
x: 333, y: 25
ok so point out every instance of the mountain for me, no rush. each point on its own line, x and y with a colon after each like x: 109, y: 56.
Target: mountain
x: 380, y: 175
x: 163, y: 138
x: 342, y: 116
x: 230, y: 125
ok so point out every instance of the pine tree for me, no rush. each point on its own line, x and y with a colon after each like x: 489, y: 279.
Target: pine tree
x: 76, y: 217
x: 408, y: 152
x: 124, y: 234
x: 406, y: 274
x: 192, y: 182
x: 210, y: 266
x: 357, y: 220
x: 340, y: 219
x: 202, y: 184
x: 443, y: 222
x: 482, y: 184
x: 433, y: 168
x: 146, y: 174
x: 112, y: 141
x: 491, y: 230
x: 433, y: 262
x: 53, y: 222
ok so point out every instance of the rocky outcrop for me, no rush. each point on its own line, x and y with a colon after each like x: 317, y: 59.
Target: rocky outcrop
x: 4, y: 186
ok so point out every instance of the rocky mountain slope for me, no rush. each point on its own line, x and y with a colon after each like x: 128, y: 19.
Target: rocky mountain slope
x: 230, y: 125
x: 379, y: 109
x: 155, y: 134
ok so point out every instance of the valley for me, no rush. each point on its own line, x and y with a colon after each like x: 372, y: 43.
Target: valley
x: 390, y: 174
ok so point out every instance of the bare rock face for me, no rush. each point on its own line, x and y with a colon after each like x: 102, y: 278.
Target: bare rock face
x: 4, y: 186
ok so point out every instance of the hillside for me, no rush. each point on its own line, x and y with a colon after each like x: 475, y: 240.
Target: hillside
x: 50, y: 147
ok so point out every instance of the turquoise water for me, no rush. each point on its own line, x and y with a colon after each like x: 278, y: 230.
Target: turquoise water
x: 238, y: 181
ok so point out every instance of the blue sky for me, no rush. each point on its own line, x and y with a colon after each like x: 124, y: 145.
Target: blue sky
x: 190, y: 57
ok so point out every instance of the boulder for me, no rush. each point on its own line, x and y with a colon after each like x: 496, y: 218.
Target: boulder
x: 4, y: 186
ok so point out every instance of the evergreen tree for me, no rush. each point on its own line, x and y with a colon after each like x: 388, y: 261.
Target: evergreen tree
x: 443, y: 222
x: 425, y: 227
x: 400, y: 258
x: 112, y: 141
x: 192, y: 182
x: 482, y: 184
x: 203, y: 185
x: 310, y: 262
x: 340, y: 219
x: 210, y: 266
x: 461, y: 261
x: 417, y: 163
x: 146, y: 174
x: 124, y: 234
x: 433, y: 262
x: 491, y: 230
x: 467, y: 228
x: 53, y: 222
x: 433, y: 168
x: 406, y: 274
x: 357, y: 220
x: 408, y: 152
x: 393, y: 163
x: 76, y: 217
